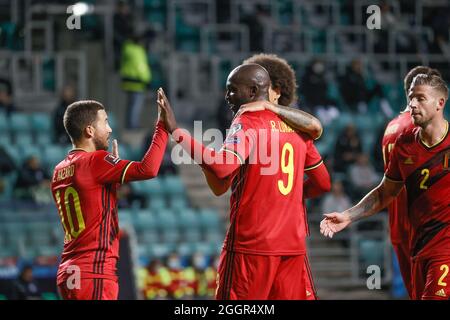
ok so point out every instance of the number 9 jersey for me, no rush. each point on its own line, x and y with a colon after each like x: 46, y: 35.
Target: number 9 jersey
x: 267, y: 214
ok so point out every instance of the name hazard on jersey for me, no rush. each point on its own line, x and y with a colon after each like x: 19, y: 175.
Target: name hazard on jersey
x: 64, y: 173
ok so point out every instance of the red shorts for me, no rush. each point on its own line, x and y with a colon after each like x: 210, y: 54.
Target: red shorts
x: 258, y: 277
x: 404, y: 261
x: 91, y: 289
x: 431, y: 269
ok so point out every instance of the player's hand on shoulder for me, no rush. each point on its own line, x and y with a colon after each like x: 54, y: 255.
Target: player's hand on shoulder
x: 255, y: 106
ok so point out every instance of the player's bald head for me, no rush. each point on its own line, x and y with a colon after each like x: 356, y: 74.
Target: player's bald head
x: 251, y: 74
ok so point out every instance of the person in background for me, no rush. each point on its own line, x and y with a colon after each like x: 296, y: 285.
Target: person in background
x: 136, y: 76
x: 26, y: 288
x: 68, y: 96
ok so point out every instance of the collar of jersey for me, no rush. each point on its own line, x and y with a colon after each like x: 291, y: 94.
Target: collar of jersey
x: 437, y: 143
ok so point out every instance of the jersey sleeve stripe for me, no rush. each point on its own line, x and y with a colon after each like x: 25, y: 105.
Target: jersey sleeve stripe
x: 235, y: 153
x: 393, y: 180
x: 314, y: 166
x: 122, y: 179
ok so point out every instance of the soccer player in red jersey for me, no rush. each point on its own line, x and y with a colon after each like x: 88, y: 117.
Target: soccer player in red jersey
x: 420, y: 162
x: 282, y: 92
x: 398, y: 215
x: 264, y: 251
x: 84, y: 189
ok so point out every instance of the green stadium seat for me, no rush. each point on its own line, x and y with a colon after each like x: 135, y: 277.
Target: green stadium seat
x: 371, y: 252
x: 166, y: 219
x: 145, y: 219
x: 170, y: 235
x: 4, y: 123
x: 148, y: 187
x: 48, y: 251
x: 178, y: 204
x: 19, y: 122
x: 192, y: 234
x: 23, y: 139
x: 5, y: 139
x: 53, y: 155
x: 209, y: 218
x: 157, y: 203
x: 43, y: 138
x: 173, y: 185
x: 188, y: 218
x: 41, y: 122
x: 160, y: 250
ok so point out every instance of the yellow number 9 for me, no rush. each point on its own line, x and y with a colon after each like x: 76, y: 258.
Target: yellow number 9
x: 287, y: 167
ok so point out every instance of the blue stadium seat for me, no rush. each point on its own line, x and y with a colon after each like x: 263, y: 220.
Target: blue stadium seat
x: 157, y: 203
x: 53, y: 155
x: 178, y: 203
x: 30, y: 150
x: 41, y: 122
x: 188, y: 218
x: 43, y: 138
x: 149, y: 187
x: 4, y: 123
x: 23, y: 139
x: 145, y: 219
x: 209, y: 218
x: 166, y: 219
x: 14, y: 152
x: 19, y: 122
x: 192, y: 234
x: 160, y: 250
x: 170, y: 235
x: 173, y: 185
x: 5, y: 139
x: 371, y: 251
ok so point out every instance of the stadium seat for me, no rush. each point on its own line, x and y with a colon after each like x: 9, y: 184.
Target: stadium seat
x: 371, y: 252
x: 43, y: 138
x: 157, y: 203
x: 41, y: 122
x: 166, y: 219
x: 209, y: 218
x: 19, y: 122
x: 173, y: 185
x: 188, y: 218
x: 53, y: 155
x: 148, y: 187
x: 160, y: 250
x: 23, y: 139
x: 39, y: 234
x: 4, y: 123
x: 144, y: 219
x: 192, y: 234
x: 178, y: 203
x: 5, y: 139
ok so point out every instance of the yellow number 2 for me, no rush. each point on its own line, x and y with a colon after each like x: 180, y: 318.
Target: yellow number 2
x: 441, y: 279
x: 72, y: 233
x: 287, y: 167
x: 426, y: 174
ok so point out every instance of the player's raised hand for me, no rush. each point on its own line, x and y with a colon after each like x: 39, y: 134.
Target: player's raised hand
x: 167, y: 114
x: 333, y: 223
x: 115, y: 149
x: 254, y: 106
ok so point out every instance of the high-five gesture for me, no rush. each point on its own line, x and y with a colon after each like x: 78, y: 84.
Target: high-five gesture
x: 167, y: 114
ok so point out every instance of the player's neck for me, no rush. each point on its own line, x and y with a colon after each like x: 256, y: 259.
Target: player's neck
x: 87, y: 146
x: 434, y: 132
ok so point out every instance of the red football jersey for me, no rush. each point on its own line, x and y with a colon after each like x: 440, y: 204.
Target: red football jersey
x: 84, y: 189
x: 398, y: 214
x: 266, y: 206
x: 425, y: 172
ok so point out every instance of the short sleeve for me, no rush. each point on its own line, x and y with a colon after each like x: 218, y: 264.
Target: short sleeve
x: 393, y: 171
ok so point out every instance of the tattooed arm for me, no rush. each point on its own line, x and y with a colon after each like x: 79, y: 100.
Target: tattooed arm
x: 373, y: 202
x: 297, y: 119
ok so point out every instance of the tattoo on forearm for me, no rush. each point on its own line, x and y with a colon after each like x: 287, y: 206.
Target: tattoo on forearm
x: 297, y: 118
x: 367, y: 206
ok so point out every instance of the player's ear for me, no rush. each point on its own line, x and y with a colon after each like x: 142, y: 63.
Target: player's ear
x: 441, y: 103
x: 253, y: 92
x: 89, y: 131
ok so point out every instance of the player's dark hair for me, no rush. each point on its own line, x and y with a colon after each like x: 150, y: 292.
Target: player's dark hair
x: 436, y: 82
x: 414, y: 72
x: 282, y: 76
x: 79, y: 115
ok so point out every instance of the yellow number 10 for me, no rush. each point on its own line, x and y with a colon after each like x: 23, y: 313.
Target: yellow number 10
x: 72, y: 233
x: 287, y: 166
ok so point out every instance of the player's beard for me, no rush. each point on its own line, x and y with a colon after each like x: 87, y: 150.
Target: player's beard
x: 100, y: 144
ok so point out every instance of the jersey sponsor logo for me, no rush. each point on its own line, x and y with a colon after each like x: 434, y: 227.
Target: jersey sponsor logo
x: 233, y: 140
x: 409, y: 160
x: 111, y: 159
x: 441, y: 293
x: 235, y: 129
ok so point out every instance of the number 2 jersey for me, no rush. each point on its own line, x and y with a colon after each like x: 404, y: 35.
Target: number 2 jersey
x: 425, y: 172
x: 84, y: 188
